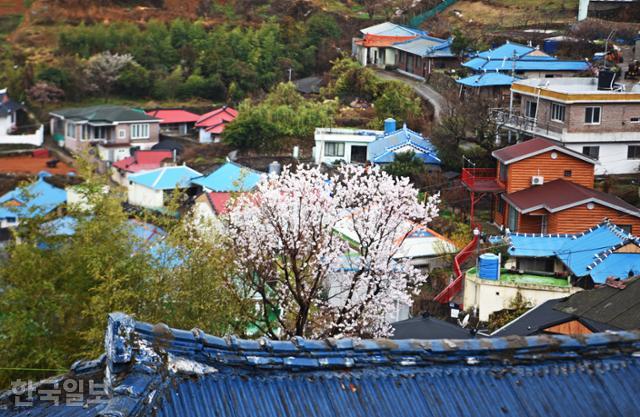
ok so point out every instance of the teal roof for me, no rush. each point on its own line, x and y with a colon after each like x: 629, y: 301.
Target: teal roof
x: 36, y: 199
x: 166, y: 178
x: 230, y: 177
x: 104, y: 114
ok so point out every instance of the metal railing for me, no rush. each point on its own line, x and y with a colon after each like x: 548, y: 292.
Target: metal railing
x: 471, y: 175
x: 515, y: 120
x: 455, y: 286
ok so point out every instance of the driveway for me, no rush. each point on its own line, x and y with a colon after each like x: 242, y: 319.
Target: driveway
x: 423, y: 90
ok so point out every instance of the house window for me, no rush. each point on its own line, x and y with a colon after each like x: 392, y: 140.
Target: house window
x: 71, y: 130
x: 567, y: 173
x: 557, y: 112
x: 512, y: 221
x: 592, y: 115
x: 544, y: 223
x: 500, y: 205
x: 635, y: 120
x: 633, y: 152
x: 122, y: 133
x: 334, y: 149
x: 84, y: 132
x: 99, y: 132
x: 532, y: 109
x: 140, y: 131
x: 591, y: 151
x: 503, y: 172
x: 625, y: 227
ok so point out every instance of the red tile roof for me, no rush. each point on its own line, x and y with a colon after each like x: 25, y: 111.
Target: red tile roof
x: 533, y: 147
x: 560, y: 195
x: 219, y: 201
x: 143, y: 161
x: 174, y: 116
x: 215, y: 120
x: 382, y: 41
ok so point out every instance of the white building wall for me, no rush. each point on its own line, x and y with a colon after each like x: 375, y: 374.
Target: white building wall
x: 490, y: 296
x: 613, y: 157
x: 139, y: 195
x: 34, y: 139
x: 204, y: 136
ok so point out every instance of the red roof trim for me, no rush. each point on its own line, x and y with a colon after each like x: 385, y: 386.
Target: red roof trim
x: 533, y: 147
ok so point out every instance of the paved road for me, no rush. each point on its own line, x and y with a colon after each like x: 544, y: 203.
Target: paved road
x: 423, y: 90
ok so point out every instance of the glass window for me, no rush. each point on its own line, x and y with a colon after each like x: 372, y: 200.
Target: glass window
x: 557, y: 112
x: 99, y: 132
x: 334, y: 149
x: 503, y: 172
x: 512, y: 221
x: 633, y: 152
x: 591, y: 151
x: 592, y: 115
x: 122, y: 133
x: 140, y: 131
x: 71, y: 130
x: 635, y: 120
x: 567, y: 173
x: 532, y: 109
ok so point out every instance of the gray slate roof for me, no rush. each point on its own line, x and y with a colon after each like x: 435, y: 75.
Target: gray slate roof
x: 104, y: 113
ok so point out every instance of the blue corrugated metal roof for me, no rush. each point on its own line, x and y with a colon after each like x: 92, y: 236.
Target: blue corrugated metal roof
x: 166, y: 178
x: 584, y: 253
x: 426, y: 46
x: 159, y: 371
x: 230, y: 177
x: 36, y: 199
x: 382, y: 149
x: 526, y: 65
x: 487, y: 79
x: 526, y: 59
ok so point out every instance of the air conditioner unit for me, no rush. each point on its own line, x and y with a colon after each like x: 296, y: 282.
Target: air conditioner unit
x: 537, y: 180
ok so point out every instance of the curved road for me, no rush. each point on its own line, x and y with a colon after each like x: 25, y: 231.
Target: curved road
x: 423, y: 90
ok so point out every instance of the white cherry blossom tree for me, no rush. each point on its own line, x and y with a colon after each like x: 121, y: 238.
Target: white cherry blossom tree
x: 321, y: 252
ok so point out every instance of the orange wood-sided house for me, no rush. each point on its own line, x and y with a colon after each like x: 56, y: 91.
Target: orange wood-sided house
x: 539, y: 186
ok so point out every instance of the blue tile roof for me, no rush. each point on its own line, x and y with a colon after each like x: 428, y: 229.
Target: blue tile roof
x: 36, y: 199
x: 382, y: 149
x: 230, y: 177
x: 584, y: 253
x: 158, y: 371
x: 526, y: 59
x: 166, y: 178
x: 392, y: 29
x: 487, y: 79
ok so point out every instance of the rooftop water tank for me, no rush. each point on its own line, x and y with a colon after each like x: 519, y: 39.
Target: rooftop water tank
x: 489, y: 266
x: 389, y: 125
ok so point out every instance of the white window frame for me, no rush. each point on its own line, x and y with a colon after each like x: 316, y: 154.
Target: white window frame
x: 629, y: 149
x: 337, y: 149
x: 634, y: 120
x: 592, y: 113
x: 589, y: 154
x: 96, y: 129
x: 122, y: 133
x: 70, y: 130
x: 558, y: 109
x: 139, y: 130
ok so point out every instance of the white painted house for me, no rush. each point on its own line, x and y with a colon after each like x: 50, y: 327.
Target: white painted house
x: 342, y: 144
x: 152, y: 189
x: 13, y: 121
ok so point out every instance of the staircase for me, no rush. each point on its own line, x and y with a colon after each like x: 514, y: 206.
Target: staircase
x: 455, y: 287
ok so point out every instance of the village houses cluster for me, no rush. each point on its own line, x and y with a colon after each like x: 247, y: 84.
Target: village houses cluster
x: 552, y: 237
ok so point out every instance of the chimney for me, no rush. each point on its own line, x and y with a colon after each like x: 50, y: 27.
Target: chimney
x: 389, y: 125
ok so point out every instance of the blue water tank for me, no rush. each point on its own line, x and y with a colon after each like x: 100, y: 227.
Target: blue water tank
x: 389, y: 125
x: 489, y: 266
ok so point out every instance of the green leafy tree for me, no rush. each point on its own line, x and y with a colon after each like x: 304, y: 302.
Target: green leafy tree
x: 396, y: 100
x: 406, y: 164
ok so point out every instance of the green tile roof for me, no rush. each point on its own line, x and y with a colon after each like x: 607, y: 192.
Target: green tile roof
x: 104, y: 113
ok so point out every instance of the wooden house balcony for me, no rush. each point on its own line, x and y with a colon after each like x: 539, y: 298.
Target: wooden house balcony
x: 482, y: 180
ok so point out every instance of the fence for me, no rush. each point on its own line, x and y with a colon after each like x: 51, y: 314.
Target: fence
x: 416, y: 21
